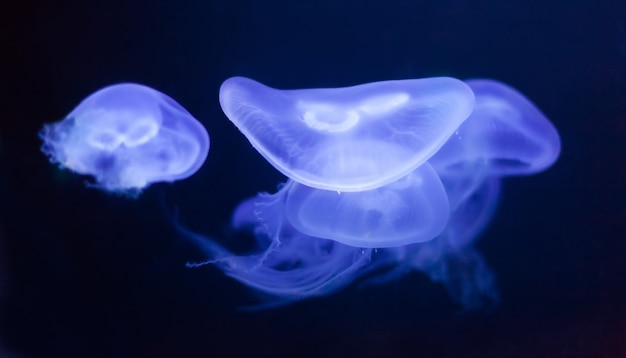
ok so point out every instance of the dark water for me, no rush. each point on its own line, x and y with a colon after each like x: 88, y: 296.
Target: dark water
x: 87, y: 274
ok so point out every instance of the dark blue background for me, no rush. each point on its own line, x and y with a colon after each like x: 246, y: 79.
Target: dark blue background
x: 87, y: 274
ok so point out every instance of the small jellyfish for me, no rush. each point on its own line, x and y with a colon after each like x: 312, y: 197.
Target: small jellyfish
x: 128, y: 136
x: 348, y: 139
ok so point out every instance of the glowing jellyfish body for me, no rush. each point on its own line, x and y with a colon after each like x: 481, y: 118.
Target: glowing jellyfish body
x: 348, y: 139
x: 505, y: 130
x: 372, y: 166
x: 409, y: 210
x: 128, y: 136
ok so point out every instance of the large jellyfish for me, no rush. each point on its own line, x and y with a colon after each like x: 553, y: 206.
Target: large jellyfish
x: 383, y: 178
x: 348, y: 139
x: 128, y: 136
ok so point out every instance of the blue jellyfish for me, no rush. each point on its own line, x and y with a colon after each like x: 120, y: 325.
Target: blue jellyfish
x: 348, y: 139
x: 505, y: 129
x: 128, y: 136
x: 383, y: 179
x: 415, y: 210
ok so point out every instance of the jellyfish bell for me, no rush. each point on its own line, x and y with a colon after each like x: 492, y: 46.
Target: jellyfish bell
x: 412, y: 209
x: 506, y: 130
x: 348, y: 139
x: 128, y: 136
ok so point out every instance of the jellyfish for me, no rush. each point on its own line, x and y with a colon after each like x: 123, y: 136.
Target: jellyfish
x: 348, y: 139
x: 505, y: 129
x: 127, y: 136
x: 415, y: 210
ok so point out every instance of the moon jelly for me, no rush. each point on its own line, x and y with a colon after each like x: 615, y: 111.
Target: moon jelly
x: 409, y: 210
x: 505, y: 129
x: 128, y: 136
x: 348, y: 139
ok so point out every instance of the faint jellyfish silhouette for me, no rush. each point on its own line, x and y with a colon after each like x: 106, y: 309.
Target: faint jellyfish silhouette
x: 505, y: 129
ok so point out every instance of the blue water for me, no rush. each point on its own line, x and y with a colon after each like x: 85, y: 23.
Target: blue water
x: 87, y: 273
